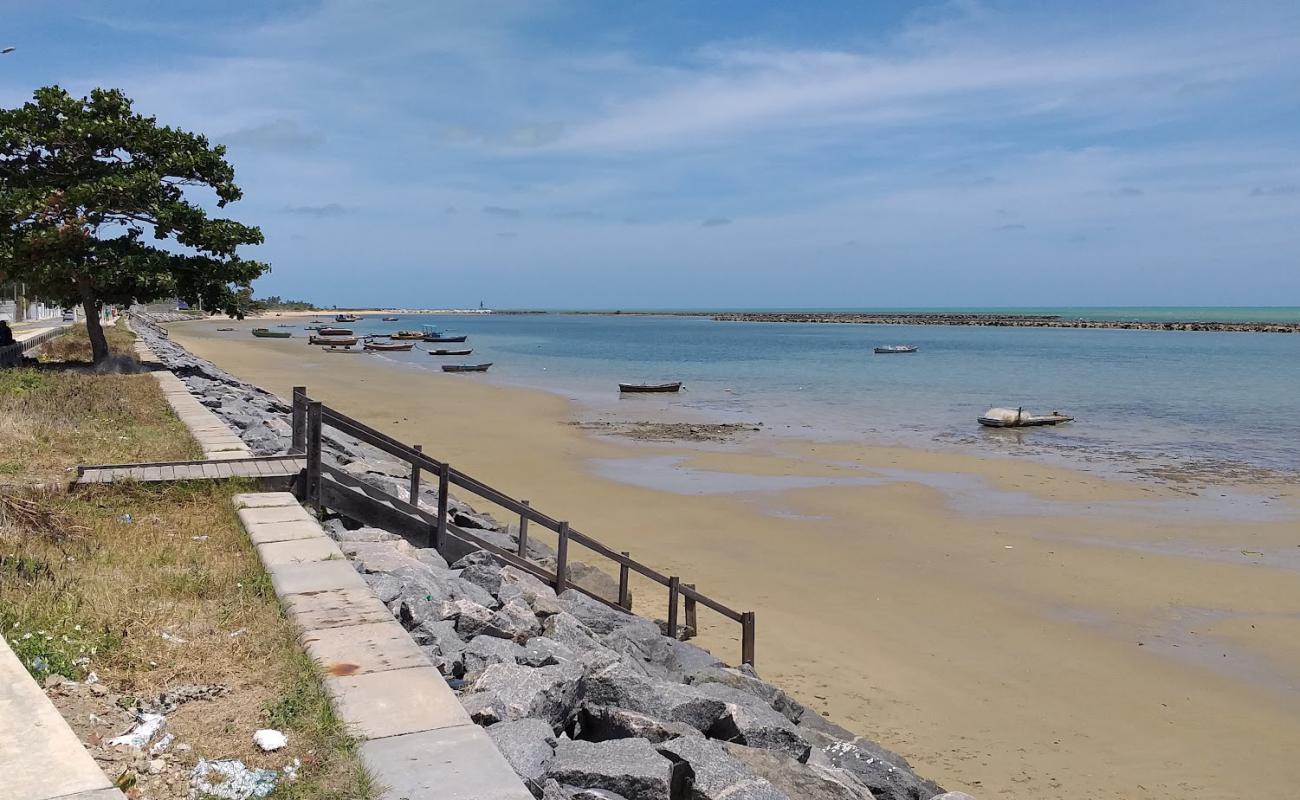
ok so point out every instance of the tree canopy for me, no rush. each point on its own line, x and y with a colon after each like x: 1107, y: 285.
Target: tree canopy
x: 95, y: 208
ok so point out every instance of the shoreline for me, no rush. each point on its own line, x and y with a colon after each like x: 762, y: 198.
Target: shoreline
x: 964, y: 640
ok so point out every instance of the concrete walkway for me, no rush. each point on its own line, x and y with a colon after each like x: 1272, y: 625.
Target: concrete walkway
x: 419, y: 742
x: 40, y: 757
x: 216, y: 438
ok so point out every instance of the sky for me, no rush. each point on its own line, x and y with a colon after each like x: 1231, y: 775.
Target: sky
x: 599, y: 154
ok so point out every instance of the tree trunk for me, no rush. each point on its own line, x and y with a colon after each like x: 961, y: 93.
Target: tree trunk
x: 95, y: 331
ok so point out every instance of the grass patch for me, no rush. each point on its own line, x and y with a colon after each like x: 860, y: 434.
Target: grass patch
x: 73, y: 347
x: 52, y: 419
x: 151, y: 586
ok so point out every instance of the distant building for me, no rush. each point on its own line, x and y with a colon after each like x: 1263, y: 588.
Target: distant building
x: 16, y: 305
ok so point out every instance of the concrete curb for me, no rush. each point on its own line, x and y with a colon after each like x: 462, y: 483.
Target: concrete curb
x: 40, y: 757
x: 420, y: 743
x: 216, y: 438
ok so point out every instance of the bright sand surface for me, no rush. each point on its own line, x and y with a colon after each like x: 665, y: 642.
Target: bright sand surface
x: 1014, y: 629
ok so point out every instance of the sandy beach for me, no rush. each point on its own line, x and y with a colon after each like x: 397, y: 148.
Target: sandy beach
x: 1015, y: 629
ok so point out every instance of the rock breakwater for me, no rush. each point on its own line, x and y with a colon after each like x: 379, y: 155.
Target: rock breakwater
x: 584, y: 700
x: 1006, y: 321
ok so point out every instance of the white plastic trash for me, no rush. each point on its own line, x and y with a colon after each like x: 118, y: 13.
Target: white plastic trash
x: 269, y: 740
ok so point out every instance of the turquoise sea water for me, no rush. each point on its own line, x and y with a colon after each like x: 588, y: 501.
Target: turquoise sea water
x: 1141, y: 398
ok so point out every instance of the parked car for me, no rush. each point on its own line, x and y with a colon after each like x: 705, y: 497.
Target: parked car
x: 69, y: 315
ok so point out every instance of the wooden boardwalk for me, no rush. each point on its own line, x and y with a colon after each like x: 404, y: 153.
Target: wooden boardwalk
x: 256, y: 467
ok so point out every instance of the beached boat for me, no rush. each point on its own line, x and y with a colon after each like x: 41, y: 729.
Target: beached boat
x: 449, y: 352
x: 389, y: 319
x: 265, y: 333
x: 406, y: 335
x: 347, y: 349
x: 332, y: 340
x: 346, y: 318
x: 1017, y: 418
x: 388, y: 347
x: 650, y: 387
x: 225, y: 329
x: 446, y: 339
x: 895, y: 348
x: 284, y: 325
x: 466, y: 367
x: 335, y: 331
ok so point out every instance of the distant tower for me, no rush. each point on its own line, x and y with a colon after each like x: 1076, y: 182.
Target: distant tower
x: 480, y: 305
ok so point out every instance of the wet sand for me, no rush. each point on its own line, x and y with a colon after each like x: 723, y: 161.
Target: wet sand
x: 1015, y: 629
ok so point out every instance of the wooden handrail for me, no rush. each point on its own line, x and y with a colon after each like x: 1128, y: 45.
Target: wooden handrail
x: 311, y: 415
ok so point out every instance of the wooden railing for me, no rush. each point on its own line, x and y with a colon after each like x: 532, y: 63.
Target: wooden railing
x: 310, y: 417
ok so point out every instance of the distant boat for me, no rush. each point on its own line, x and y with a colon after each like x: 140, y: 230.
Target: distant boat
x: 1017, y: 418
x: 896, y: 348
x: 333, y: 341
x: 390, y: 319
x: 448, y: 339
x: 225, y: 329
x: 335, y: 331
x: 450, y: 352
x: 284, y: 325
x: 388, y: 348
x: 406, y: 335
x: 650, y: 387
x: 263, y: 333
x: 347, y: 349
x: 466, y: 367
x: 347, y: 318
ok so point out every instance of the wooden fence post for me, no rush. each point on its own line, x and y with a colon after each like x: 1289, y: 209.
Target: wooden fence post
x: 747, y: 638
x: 444, y: 482
x: 692, y: 628
x: 523, y: 533
x: 562, y: 559
x: 674, y: 589
x: 299, y: 419
x: 415, y: 479
x: 624, y: 594
x: 313, y: 443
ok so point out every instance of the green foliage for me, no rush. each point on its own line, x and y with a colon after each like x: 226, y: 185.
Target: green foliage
x: 54, y: 643
x: 87, y: 186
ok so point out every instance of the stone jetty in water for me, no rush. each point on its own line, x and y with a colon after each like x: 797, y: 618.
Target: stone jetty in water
x: 584, y: 701
x: 1005, y: 321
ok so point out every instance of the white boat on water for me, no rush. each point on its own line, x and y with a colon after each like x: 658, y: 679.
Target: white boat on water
x: 1017, y: 418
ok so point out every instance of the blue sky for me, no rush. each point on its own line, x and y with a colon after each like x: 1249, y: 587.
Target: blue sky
x: 832, y: 154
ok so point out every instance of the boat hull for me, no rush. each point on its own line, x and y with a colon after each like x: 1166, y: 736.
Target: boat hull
x: 446, y: 339
x: 466, y: 367
x: 450, y: 352
x: 389, y: 348
x: 333, y: 341
x: 651, y: 388
x: 263, y: 334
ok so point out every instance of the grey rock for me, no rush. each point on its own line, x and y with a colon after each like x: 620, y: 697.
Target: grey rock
x: 540, y: 596
x: 364, y: 535
x: 527, y: 744
x: 485, y: 576
x: 478, y: 558
x: 508, y: 692
x: 750, y: 721
x: 744, y: 679
x: 619, y: 686
x: 542, y: 651
x: 597, y: 616
x: 469, y: 519
x: 656, y: 654
x: 600, y: 723
x: 885, y: 772
x: 718, y: 775
x: 629, y: 767
x: 797, y: 780
x: 430, y: 558
x: 471, y: 618
x: 568, y: 631
x: 378, y: 466
x: 518, y: 621
x: 483, y: 651
x: 387, y: 587
x: 442, y: 645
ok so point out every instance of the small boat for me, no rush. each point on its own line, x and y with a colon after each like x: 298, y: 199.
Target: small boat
x: 389, y: 319
x: 447, y: 339
x: 1017, y: 418
x: 345, y: 349
x: 340, y: 341
x: 225, y: 329
x: 466, y: 367
x: 895, y: 348
x: 406, y: 335
x: 450, y: 352
x: 335, y: 331
x: 264, y: 333
x: 347, y: 318
x: 388, y: 348
x: 650, y: 387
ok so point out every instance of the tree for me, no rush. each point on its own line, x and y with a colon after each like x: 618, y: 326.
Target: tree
x: 85, y: 184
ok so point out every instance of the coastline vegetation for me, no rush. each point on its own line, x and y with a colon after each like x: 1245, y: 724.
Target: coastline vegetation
x: 145, y: 587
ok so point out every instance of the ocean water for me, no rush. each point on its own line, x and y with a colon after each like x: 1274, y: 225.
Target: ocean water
x: 1215, y: 402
